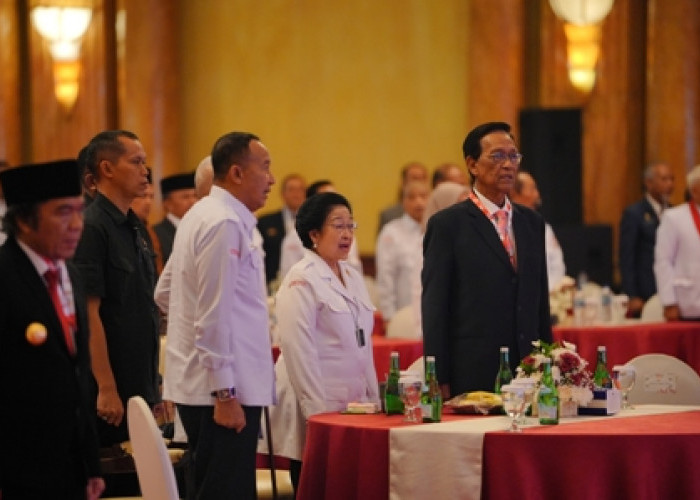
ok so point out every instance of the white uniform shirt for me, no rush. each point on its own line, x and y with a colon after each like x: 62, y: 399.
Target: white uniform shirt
x: 556, y: 269
x: 677, y: 261
x: 399, y: 259
x: 322, y: 367
x: 292, y: 251
x: 216, y: 304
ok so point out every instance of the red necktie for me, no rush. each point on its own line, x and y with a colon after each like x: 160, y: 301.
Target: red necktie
x: 501, y: 217
x: 67, y: 322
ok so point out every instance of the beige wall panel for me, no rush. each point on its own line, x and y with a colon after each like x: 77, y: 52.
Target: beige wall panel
x: 495, y: 61
x: 349, y: 91
x: 673, y: 86
x: 56, y: 133
x: 148, y: 76
x: 10, y: 125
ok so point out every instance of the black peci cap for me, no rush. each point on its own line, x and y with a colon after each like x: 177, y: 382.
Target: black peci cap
x: 39, y: 182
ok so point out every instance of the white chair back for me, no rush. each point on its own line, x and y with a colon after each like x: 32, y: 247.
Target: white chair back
x: 653, y: 311
x: 153, y: 465
x: 371, y: 285
x: 663, y: 379
x: 403, y: 324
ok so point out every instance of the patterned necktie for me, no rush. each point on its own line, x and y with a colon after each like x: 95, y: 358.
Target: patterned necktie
x: 67, y: 322
x: 501, y: 217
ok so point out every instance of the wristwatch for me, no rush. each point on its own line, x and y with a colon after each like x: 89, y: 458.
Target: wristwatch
x: 224, y: 394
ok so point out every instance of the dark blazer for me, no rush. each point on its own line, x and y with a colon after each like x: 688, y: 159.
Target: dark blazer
x: 473, y: 300
x: 165, y: 231
x: 271, y: 227
x: 47, y: 438
x: 637, y: 239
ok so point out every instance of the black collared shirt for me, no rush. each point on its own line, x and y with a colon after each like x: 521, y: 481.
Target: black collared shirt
x: 116, y: 261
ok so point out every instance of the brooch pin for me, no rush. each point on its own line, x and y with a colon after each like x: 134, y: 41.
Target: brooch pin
x: 36, y: 334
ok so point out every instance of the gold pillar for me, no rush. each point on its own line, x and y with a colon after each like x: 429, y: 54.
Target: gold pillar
x: 10, y: 124
x: 673, y: 87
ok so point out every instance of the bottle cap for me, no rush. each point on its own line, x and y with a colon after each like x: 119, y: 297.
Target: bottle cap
x: 504, y: 348
x: 601, y: 348
x: 430, y: 359
x: 394, y: 354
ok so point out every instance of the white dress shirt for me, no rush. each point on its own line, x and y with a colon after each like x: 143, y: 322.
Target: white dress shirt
x: 556, y: 269
x: 399, y: 258
x: 216, y: 304
x: 322, y: 366
x: 677, y: 261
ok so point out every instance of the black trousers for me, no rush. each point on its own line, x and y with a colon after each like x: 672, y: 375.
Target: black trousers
x: 223, y: 461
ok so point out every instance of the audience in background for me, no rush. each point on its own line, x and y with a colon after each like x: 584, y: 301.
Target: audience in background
x: 275, y: 226
x: 638, y: 228
x: 525, y: 192
x: 142, y: 208
x: 178, y: 197
x: 117, y: 266
x: 399, y: 251
x: 484, y: 271
x: 414, y: 171
x: 677, y: 256
x: 449, y: 172
x: 203, y: 178
x: 47, y: 437
x: 218, y: 365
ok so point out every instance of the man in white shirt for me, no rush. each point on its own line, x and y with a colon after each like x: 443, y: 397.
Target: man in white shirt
x: 526, y: 193
x: 399, y: 251
x: 677, y: 256
x: 218, y: 365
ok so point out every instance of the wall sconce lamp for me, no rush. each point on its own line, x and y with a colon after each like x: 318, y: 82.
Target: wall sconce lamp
x: 63, y: 27
x: 583, y: 28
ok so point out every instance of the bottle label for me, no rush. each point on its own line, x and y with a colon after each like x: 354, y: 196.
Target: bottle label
x: 426, y: 410
x: 547, y: 411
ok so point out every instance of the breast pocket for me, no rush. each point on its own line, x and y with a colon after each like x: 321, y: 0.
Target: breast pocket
x: 119, y: 269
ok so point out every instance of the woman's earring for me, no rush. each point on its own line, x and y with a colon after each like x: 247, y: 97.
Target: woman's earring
x: 315, y: 244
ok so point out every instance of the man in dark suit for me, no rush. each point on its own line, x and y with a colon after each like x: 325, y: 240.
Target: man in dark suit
x: 178, y: 197
x: 638, y: 237
x: 274, y: 226
x: 48, y: 441
x: 484, y: 283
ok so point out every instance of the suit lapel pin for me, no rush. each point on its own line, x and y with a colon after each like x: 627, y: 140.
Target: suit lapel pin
x: 36, y: 334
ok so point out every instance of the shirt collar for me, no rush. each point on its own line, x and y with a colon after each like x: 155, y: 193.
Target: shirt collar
x: 111, y: 209
x: 41, y: 264
x: 658, y: 207
x: 175, y: 220
x: 247, y: 217
x: 411, y: 223
x: 491, y: 206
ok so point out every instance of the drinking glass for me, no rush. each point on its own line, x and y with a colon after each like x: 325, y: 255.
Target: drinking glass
x: 624, y: 377
x: 515, y: 402
x: 410, y: 392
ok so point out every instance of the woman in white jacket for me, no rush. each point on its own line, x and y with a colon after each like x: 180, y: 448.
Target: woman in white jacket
x: 325, y: 320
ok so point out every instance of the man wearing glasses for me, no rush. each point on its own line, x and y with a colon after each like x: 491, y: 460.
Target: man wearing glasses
x: 485, y: 272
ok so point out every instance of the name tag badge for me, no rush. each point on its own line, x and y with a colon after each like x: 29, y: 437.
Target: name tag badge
x: 360, y: 334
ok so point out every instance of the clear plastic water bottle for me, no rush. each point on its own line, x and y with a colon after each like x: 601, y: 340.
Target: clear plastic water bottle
x: 579, y: 306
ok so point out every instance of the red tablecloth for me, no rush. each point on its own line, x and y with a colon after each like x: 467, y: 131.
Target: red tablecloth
x: 651, y: 457
x: 409, y: 351
x: 624, y: 342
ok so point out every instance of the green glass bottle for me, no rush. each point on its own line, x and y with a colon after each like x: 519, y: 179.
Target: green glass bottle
x: 548, y: 397
x: 431, y: 398
x: 392, y: 398
x: 505, y: 375
x: 601, y: 375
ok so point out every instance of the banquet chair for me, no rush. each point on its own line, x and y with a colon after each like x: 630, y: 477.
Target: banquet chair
x: 663, y: 379
x: 153, y: 464
x: 653, y: 311
x: 403, y: 324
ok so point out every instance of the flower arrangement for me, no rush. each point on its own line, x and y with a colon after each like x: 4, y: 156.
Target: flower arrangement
x: 568, y: 370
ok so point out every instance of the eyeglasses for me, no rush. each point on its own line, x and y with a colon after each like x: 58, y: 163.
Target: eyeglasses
x: 500, y: 157
x: 350, y: 226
